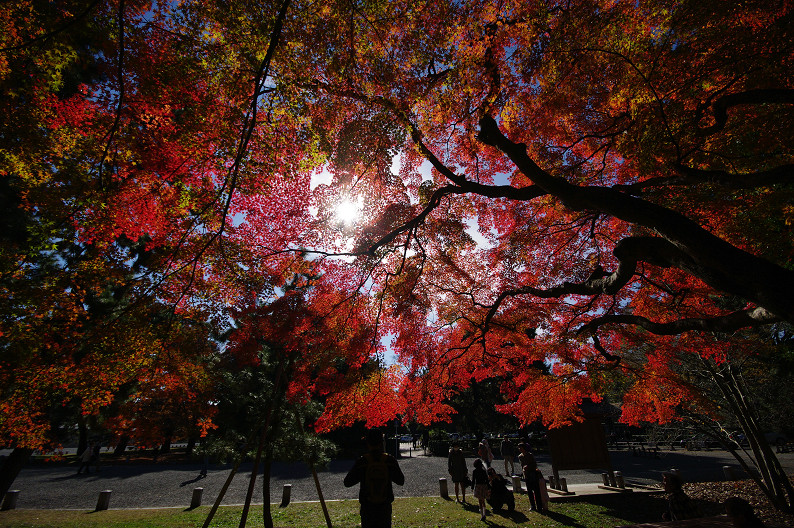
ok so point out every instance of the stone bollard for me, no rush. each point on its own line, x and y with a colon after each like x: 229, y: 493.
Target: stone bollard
x: 619, y: 479
x: 612, y: 480
x: 195, y: 502
x: 563, y: 485
x: 553, y: 484
x: 10, y: 500
x: 104, y: 500
x: 286, y: 495
x: 442, y: 484
x: 517, y: 484
x: 729, y: 472
x: 605, y: 477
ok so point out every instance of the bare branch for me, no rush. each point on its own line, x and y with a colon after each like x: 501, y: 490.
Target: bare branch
x: 784, y: 174
x: 726, y: 323
x: 716, y: 262
x: 749, y: 97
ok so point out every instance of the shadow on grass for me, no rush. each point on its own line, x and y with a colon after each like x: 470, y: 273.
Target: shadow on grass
x: 630, y: 508
x: 515, y: 516
x: 564, y: 520
x: 471, y: 506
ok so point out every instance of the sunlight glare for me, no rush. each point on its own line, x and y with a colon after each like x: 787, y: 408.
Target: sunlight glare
x: 348, y: 211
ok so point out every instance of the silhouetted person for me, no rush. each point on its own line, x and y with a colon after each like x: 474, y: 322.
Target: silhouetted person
x: 479, y: 482
x: 741, y: 513
x: 85, y: 459
x: 679, y: 505
x: 485, y: 453
x: 508, y: 451
x: 204, y: 466
x: 375, y: 471
x: 532, y: 477
x: 500, y: 495
x: 95, y: 456
x: 456, y: 465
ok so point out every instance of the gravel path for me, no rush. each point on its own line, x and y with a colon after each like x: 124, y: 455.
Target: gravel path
x: 171, y: 485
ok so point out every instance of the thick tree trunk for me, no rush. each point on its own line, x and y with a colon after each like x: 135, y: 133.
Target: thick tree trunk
x: 11, y: 468
x: 191, y: 444
x: 82, y: 429
x: 121, y: 445
x: 166, y: 447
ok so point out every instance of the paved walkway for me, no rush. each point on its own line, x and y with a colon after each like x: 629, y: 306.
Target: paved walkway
x: 171, y: 485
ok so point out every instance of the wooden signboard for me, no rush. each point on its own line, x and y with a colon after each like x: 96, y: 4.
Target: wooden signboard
x: 579, y: 446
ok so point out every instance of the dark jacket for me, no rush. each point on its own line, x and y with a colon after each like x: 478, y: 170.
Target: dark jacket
x: 456, y: 465
x: 359, y: 470
x: 479, y: 476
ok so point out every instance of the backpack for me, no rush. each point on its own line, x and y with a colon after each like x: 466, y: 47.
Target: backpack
x: 376, y: 479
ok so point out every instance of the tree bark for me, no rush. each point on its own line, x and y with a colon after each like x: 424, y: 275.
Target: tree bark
x: 252, y: 481
x: 82, y: 431
x: 166, y: 446
x: 716, y: 262
x: 222, y: 493
x: 121, y: 445
x: 267, y: 515
x: 11, y: 468
x: 771, y: 478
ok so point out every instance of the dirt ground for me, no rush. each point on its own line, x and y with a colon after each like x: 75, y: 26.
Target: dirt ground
x: 717, y: 492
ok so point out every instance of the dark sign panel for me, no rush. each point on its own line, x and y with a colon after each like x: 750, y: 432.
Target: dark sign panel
x: 579, y: 446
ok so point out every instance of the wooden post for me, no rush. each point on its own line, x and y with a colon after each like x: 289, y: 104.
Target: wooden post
x: 218, y: 500
x: 320, y: 494
x: 442, y: 483
x: 252, y: 480
x: 316, y: 479
x: 195, y: 502
x: 103, y: 503
x: 10, y: 500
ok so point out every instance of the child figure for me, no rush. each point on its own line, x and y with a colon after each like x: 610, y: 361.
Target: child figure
x: 479, y: 483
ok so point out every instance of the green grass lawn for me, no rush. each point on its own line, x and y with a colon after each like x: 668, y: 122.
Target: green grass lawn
x: 593, y: 511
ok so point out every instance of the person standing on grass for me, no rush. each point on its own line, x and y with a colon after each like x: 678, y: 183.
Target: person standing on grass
x: 376, y: 471
x: 479, y: 482
x: 532, y: 477
x: 456, y: 465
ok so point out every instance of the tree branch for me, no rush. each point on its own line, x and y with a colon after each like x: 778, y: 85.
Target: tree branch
x: 714, y: 261
x: 753, y: 97
x: 783, y: 174
x: 725, y: 324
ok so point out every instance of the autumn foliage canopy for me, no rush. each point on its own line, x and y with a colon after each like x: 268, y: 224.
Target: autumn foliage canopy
x: 488, y: 187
